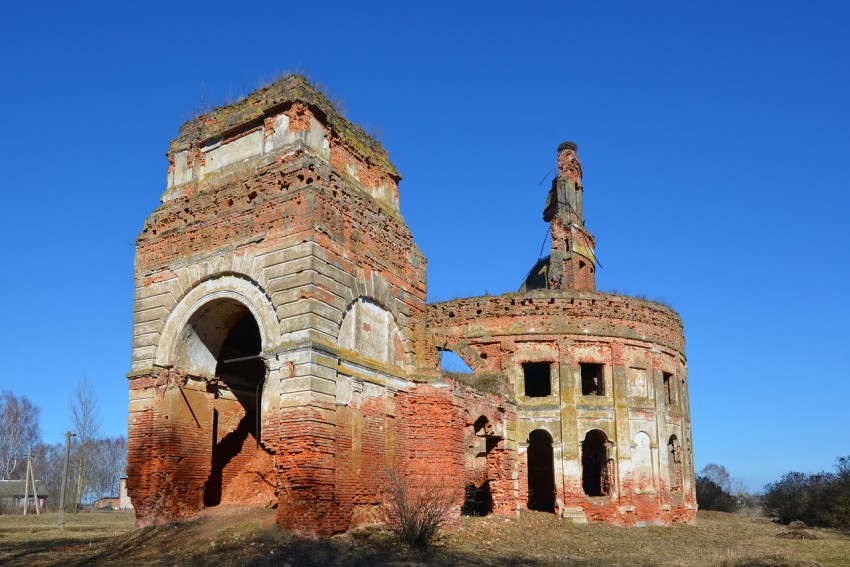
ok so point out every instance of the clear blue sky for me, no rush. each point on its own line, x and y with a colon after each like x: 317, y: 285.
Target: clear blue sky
x: 715, y: 141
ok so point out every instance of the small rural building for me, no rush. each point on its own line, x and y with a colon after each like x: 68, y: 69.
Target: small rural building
x: 120, y: 502
x: 12, y: 493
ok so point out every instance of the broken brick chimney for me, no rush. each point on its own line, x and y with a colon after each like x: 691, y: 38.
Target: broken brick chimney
x: 572, y: 265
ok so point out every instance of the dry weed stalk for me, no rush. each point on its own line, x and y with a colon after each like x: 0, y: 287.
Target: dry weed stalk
x: 417, y: 507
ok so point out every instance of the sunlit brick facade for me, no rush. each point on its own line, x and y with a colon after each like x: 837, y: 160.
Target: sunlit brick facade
x: 284, y: 354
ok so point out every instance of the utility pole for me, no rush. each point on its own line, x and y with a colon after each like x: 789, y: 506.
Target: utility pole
x: 34, y: 486
x: 27, y: 482
x: 68, y: 436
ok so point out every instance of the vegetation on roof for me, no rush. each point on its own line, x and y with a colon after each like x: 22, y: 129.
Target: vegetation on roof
x: 268, y: 100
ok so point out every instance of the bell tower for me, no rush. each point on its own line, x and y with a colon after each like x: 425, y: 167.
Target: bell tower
x: 572, y: 264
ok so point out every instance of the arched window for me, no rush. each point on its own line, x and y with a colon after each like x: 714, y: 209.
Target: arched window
x: 596, y: 467
x: 674, y: 463
x: 451, y: 362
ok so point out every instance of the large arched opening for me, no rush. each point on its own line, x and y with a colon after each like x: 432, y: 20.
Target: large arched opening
x: 541, y: 471
x: 222, y: 343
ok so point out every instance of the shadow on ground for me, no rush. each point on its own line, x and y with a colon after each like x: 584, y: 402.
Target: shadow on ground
x: 249, y: 537
x: 176, y: 544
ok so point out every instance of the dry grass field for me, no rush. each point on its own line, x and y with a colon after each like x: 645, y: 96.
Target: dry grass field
x: 249, y: 537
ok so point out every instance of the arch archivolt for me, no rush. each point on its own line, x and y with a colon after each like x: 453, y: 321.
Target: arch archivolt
x: 601, y: 430
x: 539, y: 430
x: 227, y: 289
x: 466, y: 352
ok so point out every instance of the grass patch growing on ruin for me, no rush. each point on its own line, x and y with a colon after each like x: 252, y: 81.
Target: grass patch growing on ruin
x: 490, y: 382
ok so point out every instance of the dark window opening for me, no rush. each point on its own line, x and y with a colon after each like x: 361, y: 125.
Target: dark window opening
x: 483, y: 428
x: 478, y: 500
x: 592, y: 379
x: 668, y: 387
x: 541, y: 472
x: 596, y: 467
x: 537, y: 375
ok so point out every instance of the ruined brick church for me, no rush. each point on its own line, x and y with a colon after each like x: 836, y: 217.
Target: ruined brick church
x: 284, y: 353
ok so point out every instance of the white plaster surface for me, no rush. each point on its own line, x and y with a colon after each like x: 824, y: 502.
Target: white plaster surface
x: 371, y: 331
x: 637, y: 383
x: 238, y: 150
x: 642, y: 461
x: 181, y: 173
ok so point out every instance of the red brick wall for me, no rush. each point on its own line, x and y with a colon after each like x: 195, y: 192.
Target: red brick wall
x: 485, y: 331
x: 436, y: 420
x: 168, y: 460
x: 554, y: 313
x: 303, y: 440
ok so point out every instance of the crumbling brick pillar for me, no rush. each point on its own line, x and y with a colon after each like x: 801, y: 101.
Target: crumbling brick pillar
x: 305, y: 468
x: 502, y: 470
x: 300, y: 424
x: 168, y: 446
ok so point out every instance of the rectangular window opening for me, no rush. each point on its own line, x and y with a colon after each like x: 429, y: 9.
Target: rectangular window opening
x: 592, y: 379
x: 537, y: 375
x: 668, y: 387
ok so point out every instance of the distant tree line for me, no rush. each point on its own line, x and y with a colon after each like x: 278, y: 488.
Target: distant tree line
x: 96, y: 462
x: 821, y: 499
x: 714, y: 489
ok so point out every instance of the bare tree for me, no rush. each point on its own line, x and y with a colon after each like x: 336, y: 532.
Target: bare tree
x: 86, y: 420
x: 18, y: 428
x: 47, y: 462
x: 718, y: 475
x: 108, y: 461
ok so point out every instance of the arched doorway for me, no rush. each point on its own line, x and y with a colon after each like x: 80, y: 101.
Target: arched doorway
x: 240, y: 372
x: 541, y: 471
x: 596, y: 474
x: 222, y: 342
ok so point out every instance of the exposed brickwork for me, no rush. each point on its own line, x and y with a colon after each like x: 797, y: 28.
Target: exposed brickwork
x: 279, y: 241
x: 168, y: 456
x: 438, y: 422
